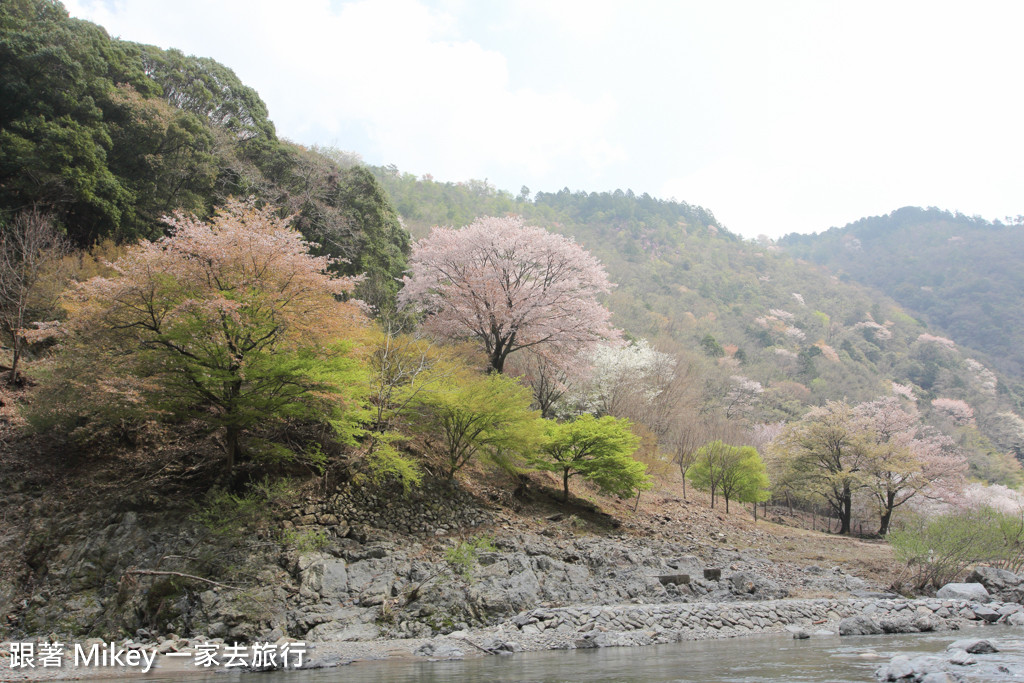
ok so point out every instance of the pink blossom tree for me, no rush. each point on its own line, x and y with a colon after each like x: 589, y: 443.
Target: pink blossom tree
x: 957, y: 411
x: 231, y: 322
x: 907, y: 459
x: 509, y: 286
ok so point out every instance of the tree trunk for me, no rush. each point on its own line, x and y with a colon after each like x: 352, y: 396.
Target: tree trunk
x: 727, y: 505
x: 231, y: 446
x: 883, y: 527
x: 565, y: 484
x: 15, y: 357
x: 846, y: 512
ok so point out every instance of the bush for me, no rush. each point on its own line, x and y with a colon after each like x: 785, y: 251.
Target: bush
x: 939, y: 549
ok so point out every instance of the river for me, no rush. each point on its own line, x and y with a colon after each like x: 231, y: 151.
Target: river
x: 753, y: 659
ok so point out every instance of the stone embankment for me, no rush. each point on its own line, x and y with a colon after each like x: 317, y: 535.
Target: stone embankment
x: 634, y: 625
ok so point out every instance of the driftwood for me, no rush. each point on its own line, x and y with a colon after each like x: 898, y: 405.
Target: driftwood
x: 153, y: 572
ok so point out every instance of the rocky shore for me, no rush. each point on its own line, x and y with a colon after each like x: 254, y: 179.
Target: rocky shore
x: 442, y: 575
x: 631, y: 625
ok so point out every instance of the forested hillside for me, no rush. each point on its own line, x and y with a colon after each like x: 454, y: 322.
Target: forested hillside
x: 772, y: 335
x: 108, y: 136
x: 225, y: 358
x: 961, y: 274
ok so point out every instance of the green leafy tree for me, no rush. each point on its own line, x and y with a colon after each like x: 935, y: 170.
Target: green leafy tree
x: 599, y: 450
x: 230, y: 322
x: 828, y: 454
x: 734, y: 472
x: 479, y: 414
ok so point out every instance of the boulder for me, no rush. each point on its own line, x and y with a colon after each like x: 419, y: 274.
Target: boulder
x: 962, y: 658
x: 974, y: 592
x: 674, y: 579
x: 976, y: 646
x: 986, y: 614
x: 994, y: 579
x: 860, y: 625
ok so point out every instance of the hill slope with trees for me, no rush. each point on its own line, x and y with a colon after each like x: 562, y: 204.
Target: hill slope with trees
x: 108, y: 136
x: 769, y: 336
x: 962, y: 275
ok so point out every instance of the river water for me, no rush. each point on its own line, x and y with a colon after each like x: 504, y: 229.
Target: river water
x: 753, y: 659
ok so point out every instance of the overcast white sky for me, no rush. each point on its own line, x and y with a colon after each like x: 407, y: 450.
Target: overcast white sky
x: 777, y: 116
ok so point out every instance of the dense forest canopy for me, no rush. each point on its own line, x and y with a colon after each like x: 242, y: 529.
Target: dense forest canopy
x: 109, y: 136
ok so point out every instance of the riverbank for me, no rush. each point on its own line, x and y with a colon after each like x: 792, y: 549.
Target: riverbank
x: 578, y: 627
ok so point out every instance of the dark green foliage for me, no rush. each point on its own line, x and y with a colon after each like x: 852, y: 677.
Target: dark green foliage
x: 108, y: 136
x: 711, y: 346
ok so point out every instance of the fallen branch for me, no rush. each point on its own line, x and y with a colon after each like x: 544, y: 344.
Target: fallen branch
x: 153, y: 572
x: 485, y: 650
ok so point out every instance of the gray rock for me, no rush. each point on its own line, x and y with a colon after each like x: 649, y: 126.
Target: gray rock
x: 436, y: 650
x: 941, y: 677
x: 975, y: 592
x: 999, y: 582
x: 986, y: 614
x: 977, y: 646
x: 962, y: 658
x: 898, y: 668
x: 674, y: 579
x: 860, y: 625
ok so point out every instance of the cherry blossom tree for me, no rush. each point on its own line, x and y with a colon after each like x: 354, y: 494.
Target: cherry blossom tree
x: 623, y: 376
x: 906, y: 459
x: 957, y: 411
x: 510, y: 286
x: 232, y: 322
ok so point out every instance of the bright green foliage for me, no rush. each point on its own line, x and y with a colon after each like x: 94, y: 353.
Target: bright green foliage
x: 938, y: 549
x: 463, y: 557
x: 232, y: 323
x: 734, y: 472
x: 479, y: 414
x: 599, y: 450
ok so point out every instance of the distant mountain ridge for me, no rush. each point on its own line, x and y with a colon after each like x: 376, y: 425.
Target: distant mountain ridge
x: 962, y: 275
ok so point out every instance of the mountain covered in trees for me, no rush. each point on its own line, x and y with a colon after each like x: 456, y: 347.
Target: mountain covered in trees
x: 960, y: 274
x: 108, y: 136
x: 727, y: 340
x: 772, y: 335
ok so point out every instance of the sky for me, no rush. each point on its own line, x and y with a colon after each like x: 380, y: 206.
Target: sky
x: 778, y: 116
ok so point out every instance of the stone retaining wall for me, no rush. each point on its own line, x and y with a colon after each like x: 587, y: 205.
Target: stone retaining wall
x: 428, y: 511
x: 633, y: 625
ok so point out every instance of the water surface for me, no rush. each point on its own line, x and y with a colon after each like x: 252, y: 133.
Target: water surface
x: 752, y: 659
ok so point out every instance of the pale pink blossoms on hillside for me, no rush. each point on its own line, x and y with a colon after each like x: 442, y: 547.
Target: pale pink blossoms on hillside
x: 956, y: 410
